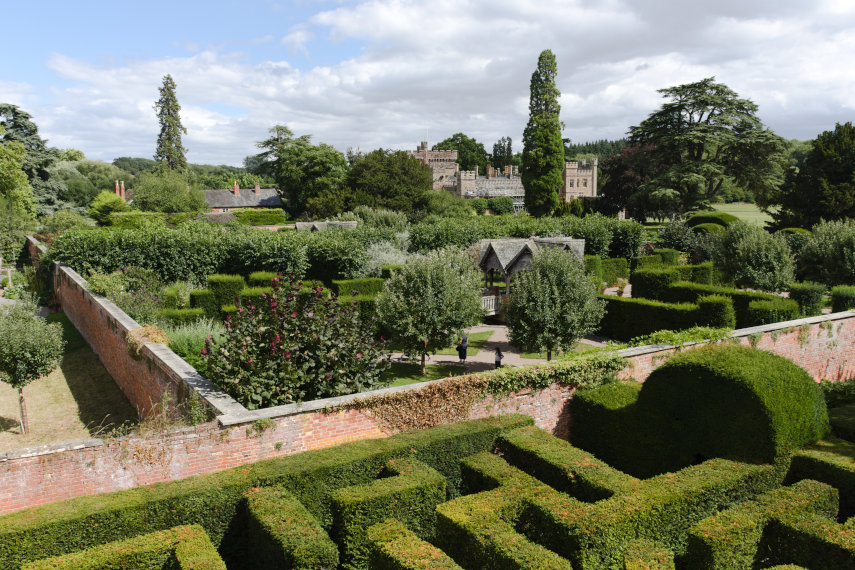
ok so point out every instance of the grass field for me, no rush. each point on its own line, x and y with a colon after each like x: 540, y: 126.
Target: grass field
x: 475, y: 342
x: 405, y: 373
x: 78, y: 400
x: 556, y: 355
x: 747, y: 212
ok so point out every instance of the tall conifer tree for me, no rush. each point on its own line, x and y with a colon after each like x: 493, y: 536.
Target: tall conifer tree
x: 543, y: 148
x: 170, y: 151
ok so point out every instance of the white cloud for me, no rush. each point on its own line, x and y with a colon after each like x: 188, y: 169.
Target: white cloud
x: 463, y: 66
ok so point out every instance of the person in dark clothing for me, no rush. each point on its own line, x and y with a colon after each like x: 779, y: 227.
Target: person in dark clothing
x: 499, y: 357
x: 461, y: 349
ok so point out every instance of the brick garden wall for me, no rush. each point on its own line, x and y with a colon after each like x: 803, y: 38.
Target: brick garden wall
x: 825, y: 346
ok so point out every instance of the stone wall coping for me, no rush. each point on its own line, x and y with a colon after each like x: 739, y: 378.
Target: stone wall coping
x: 741, y: 333
x: 49, y: 449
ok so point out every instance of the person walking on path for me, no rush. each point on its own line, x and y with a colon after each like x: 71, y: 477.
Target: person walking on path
x: 461, y: 349
x: 499, y: 357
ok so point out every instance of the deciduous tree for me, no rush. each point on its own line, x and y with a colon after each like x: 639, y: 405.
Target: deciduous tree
x: 166, y: 191
x: 553, y: 304
x: 824, y: 186
x: 387, y: 179
x: 543, y: 147
x: 30, y: 349
x: 14, y: 186
x: 428, y: 302
x: 470, y: 153
x: 170, y: 151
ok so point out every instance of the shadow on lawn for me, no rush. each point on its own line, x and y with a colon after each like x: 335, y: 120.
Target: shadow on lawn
x: 101, y: 404
x: 8, y: 424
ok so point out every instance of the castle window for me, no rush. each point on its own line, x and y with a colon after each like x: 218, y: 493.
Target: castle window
x: 571, y: 184
x: 585, y: 182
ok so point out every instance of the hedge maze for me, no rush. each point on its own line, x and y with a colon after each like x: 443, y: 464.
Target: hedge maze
x: 501, y: 493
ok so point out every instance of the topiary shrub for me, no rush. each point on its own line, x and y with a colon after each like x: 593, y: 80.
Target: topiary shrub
x: 652, y: 283
x: 644, y: 262
x: 261, y: 278
x: 387, y: 270
x: 614, y: 269
x: 253, y: 295
x: 704, y: 229
x: 842, y: 298
x: 594, y: 268
x: 226, y: 288
x: 204, y: 299
x: 344, y: 288
x: 669, y: 256
x: 718, y: 311
x: 182, y: 316
x: 772, y: 311
x: 734, y: 402
x: 718, y: 218
x: 809, y: 297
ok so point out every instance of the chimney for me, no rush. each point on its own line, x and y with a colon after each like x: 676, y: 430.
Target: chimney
x: 117, y: 188
x: 122, y: 189
x: 236, y: 190
x: 257, y: 189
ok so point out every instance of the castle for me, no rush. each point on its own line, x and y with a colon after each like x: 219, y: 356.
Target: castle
x: 579, y: 178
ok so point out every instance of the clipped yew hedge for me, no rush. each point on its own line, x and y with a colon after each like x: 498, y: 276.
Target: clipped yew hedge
x: 627, y: 318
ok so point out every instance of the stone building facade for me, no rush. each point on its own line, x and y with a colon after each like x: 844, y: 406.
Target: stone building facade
x: 443, y: 163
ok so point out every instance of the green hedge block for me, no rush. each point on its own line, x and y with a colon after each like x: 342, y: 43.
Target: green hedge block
x: 644, y: 262
x: 395, y: 547
x: 842, y: 298
x: 281, y: 533
x: 562, y: 466
x: 669, y: 256
x: 594, y: 268
x: 809, y: 297
x: 641, y: 554
x: 176, y: 296
x: 344, y: 288
x: 206, y: 300
x: 778, y: 310
x: 842, y: 420
x: 614, y: 269
x: 226, y: 288
x: 718, y: 311
x: 627, y: 318
x: 477, y: 530
x: 719, y: 218
x: 214, y: 500
x: 410, y: 496
x: 683, y: 292
x: 254, y: 296
x: 708, y: 228
x: 387, y: 270
x: 260, y: 217
x: 701, y: 273
x: 261, y: 278
x: 814, y: 541
x: 365, y: 304
x: 663, y: 508
x: 227, y: 310
x: 736, y: 537
x: 736, y: 402
x: 652, y: 283
x: 181, y: 316
x: 180, y: 547
x: 831, y: 461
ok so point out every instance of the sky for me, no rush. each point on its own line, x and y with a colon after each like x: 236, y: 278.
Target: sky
x: 390, y: 73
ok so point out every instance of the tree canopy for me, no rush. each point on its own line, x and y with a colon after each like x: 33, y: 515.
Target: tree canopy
x: 309, y: 177
x: 387, y: 179
x: 543, y: 148
x: 824, y: 186
x: 429, y: 302
x: 170, y: 151
x: 470, y: 153
x: 14, y: 186
x: 703, y: 137
x: 166, y: 191
x: 553, y: 304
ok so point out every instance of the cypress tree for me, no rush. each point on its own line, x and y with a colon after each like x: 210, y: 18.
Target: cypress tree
x: 170, y: 151
x: 543, y: 148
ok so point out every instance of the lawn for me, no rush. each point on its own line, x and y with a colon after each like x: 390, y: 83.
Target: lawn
x: 78, y: 400
x: 556, y: 355
x: 403, y: 373
x: 744, y: 211
x: 476, y: 342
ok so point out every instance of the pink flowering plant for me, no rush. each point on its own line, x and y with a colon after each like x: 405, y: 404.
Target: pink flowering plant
x: 296, y: 345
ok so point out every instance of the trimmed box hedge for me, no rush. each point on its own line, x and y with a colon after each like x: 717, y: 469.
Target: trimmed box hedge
x: 669, y: 256
x: 254, y: 295
x: 395, y: 547
x: 642, y: 554
x: 614, y: 269
x: 214, y: 500
x: 387, y: 270
x: 652, y: 283
x: 344, y: 288
x: 261, y: 278
x: 718, y: 218
x: 594, y: 268
x: 182, y: 316
x: 226, y: 288
x: 281, y: 533
x: 737, y: 537
x: 183, y: 547
x: 206, y: 300
x: 410, y: 495
x: 644, y: 262
x: 830, y: 461
x: 842, y: 298
x: 809, y: 297
x: 764, y: 312
x: 685, y: 292
x: 627, y: 318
